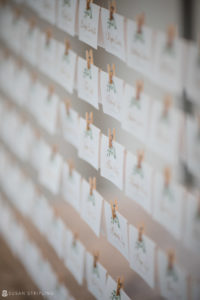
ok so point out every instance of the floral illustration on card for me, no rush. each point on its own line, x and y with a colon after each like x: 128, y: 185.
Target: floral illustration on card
x: 169, y: 50
x: 87, y: 73
x: 135, y: 102
x: 111, y: 152
x: 138, y: 171
x: 139, y: 37
x: 114, y: 296
x: 67, y: 3
x: 88, y: 13
x: 140, y: 245
x: 111, y: 87
x: 95, y: 271
x: 91, y: 198
x: 115, y: 220
x: 74, y: 247
x: 112, y: 23
x: 66, y: 58
x: 171, y: 275
x: 88, y: 134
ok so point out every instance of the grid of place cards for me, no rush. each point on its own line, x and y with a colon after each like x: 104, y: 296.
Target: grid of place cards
x: 92, y: 200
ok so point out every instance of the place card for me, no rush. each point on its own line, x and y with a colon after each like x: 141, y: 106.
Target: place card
x: 138, y: 180
x: 142, y: 255
x: 88, y: 23
x: 89, y: 143
x: 113, y: 33
x: 111, y: 291
x: 67, y: 15
x: 91, y: 207
x: 88, y: 82
x: 96, y: 277
x: 117, y: 230
x: 112, y: 161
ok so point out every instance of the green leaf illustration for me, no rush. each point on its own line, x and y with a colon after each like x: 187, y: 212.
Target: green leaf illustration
x: 111, y: 152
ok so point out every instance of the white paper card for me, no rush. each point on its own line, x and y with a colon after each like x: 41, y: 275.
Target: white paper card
x: 142, y: 256
x: 112, y: 161
x: 47, y: 57
x: 67, y: 15
x: 117, y: 230
x: 88, y: 23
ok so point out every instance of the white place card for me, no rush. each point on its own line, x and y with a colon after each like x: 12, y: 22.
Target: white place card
x: 71, y: 186
x: 138, y: 181
x: 70, y: 125
x: 96, y: 277
x: 75, y: 258
x: 66, y: 19
x: 111, y: 95
x: 173, y: 282
x: 142, y: 256
x: 135, y: 113
x: 89, y: 143
x: 117, y: 230
x: 88, y: 23
x: 140, y: 48
x: 111, y: 291
x: 91, y: 207
x: 88, y: 82
x: 113, y: 33
x: 112, y: 161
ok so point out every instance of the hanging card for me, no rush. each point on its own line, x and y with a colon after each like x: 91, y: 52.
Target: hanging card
x: 138, y: 182
x: 111, y: 95
x: 136, y: 112
x: 36, y: 100
x: 89, y: 143
x: 25, y: 138
x: 111, y: 291
x: 88, y: 82
x: 112, y: 161
x: 165, y: 132
x: 193, y: 72
x: 173, y: 283
x: 71, y: 186
x: 113, y: 33
x: 30, y: 43
x: 48, y: 10
x: 91, y: 207
x: 142, y: 256
x: 66, y: 19
x: 50, y: 172
x: 169, y: 61
x: 75, y: 258
x: 21, y: 86
x: 168, y: 204
x: 70, y: 125
x: 96, y: 277
x: 40, y: 153
x: 66, y: 66
x: 117, y: 230
x: 88, y: 23
x: 192, y: 223
x: 139, y: 48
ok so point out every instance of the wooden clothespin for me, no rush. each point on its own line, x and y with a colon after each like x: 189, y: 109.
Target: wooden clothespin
x: 88, y: 4
x: 67, y: 47
x: 89, y: 120
x: 111, y: 72
x: 96, y: 258
x: 140, y: 232
x: 114, y: 207
x: 120, y: 284
x: 111, y: 137
x: 140, y: 158
x: 112, y: 8
x: 171, y: 259
x: 140, y: 22
x: 92, y: 183
x: 71, y: 166
x: 167, y: 104
x: 67, y: 106
x: 89, y: 58
x: 48, y: 36
x: 167, y: 176
x: 171, y: 33
x: 139, y: 88
x: 75, y: 237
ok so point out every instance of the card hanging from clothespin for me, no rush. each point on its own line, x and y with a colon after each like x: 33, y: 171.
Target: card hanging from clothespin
x: 92, y: 183
x: 171, y: 259
x: 67, y: 106
x: 139, y: 89
x: 67, y: 47
x: 120, y: 284
x: 167, y: 104
x: 140, y: 23
x: 140, y: 158
x: 96, y: 258
x: 88, y: 4
x: 89, y: 120
x: 114, y: 208
x: 112, y: 9
x: 71, y: 166
x: 140, y: 232
x: 171, y: 34
x: 111, y: 137
x: 111, y: 72
x: 75, y: 237
x: 167, y: 176
x: 48, y: 37
x: 54, y: 151
x: 89, y: 58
